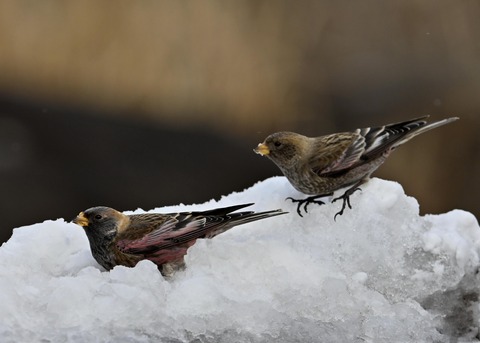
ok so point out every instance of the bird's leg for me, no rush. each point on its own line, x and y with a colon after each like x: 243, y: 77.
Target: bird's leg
x: 346, y: 198
x: 305, y: 202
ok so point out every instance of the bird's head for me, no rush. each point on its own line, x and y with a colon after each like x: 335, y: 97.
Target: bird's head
x: 102, y: 221
x: 283, y: 148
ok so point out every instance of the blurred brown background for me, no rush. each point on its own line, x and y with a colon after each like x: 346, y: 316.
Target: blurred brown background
x: 150, y: 103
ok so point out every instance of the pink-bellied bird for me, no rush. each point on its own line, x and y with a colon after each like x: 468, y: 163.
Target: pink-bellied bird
x: 119, y: 239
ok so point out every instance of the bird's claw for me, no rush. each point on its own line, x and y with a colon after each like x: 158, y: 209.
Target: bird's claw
x: 305, y: 202
x: 346, y: 200
x: 300, y: 201
x: 314, y: 200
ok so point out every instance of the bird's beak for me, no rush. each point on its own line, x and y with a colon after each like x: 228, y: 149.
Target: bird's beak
x: 262, y: 149
x: 81, y: 220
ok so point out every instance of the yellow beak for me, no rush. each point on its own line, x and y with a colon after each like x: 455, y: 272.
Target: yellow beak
x: 262, y: 149
x: 81, y: 220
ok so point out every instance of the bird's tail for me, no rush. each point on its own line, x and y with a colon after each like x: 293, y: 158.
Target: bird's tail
x: 223, y: 219
x: 380, y: 139
x: 423, y: 127
x: 240, y: 218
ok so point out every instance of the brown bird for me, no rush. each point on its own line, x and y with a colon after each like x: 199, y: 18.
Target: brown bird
x: 321, y: 165
x: 119, y: 239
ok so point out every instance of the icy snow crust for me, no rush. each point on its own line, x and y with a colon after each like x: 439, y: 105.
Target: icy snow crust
x: 380, y: 273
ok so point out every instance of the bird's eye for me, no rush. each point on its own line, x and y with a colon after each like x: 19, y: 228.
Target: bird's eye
x: 98, y: 217
x: 277, y: 144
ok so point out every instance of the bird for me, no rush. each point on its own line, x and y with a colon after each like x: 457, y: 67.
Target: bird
x: 319, y: 166
x: 119, y: 239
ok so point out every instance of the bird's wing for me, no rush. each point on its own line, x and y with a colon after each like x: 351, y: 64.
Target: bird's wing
x: 150, y: 233
x: 337, y: 152
x: 383, y: 138
x: 170, y: 231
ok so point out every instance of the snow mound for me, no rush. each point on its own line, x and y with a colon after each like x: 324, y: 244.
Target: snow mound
x: 379, y: 273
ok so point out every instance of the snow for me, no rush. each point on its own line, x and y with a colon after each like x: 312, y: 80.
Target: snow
x: 379, y: 273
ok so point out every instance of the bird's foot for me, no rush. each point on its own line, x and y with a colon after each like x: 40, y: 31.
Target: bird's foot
x: 346, y: 200
x: 307, y: 201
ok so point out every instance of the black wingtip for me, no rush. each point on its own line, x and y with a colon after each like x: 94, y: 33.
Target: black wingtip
x: 225, y: 210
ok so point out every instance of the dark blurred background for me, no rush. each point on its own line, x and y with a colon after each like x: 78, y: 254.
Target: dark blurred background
x: 151, y: 103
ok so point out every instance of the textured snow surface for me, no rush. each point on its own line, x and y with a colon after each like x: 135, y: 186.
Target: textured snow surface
x: 379, y: 273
